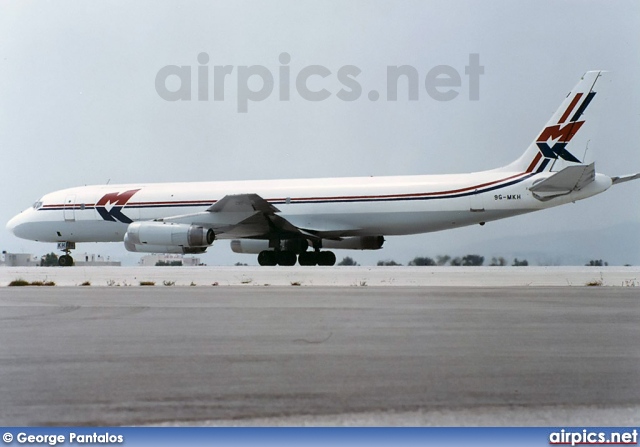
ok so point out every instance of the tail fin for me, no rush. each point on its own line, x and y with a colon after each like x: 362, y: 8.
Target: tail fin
x: 551, y: 144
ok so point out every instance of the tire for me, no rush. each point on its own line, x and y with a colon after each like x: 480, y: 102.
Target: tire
x: 327, y: 258
x: 65, y: 261
x: 308, y: 258
x: 267, y: 257
x: 287, y: 258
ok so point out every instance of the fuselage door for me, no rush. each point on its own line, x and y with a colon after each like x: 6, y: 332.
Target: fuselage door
x: 476, y: 204
x: 68, y: 210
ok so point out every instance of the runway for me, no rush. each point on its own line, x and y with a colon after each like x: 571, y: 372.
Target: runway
x: 242, y: 355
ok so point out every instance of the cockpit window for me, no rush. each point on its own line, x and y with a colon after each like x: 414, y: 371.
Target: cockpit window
x: 37, y: 205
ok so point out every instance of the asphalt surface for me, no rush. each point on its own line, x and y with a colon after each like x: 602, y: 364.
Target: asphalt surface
x: 151, y: 355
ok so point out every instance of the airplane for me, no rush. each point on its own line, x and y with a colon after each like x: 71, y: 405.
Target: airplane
x: 289, y: 221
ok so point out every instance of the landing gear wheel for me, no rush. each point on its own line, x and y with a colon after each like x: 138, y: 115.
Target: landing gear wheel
x: 65, y: 261
x: 326, y: 258
x: 267, y: 257
x: 308, y: 258
x: 287, y: 258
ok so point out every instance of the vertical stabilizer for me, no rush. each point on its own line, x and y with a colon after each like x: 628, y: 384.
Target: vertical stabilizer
x: 553, y: 142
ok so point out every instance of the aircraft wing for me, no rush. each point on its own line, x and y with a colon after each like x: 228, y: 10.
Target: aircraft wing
x: 242, y: 203
x: 572, y: 178
x: 251, y: 216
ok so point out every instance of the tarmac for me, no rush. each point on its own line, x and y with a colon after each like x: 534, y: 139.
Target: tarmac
x: 323, y: 355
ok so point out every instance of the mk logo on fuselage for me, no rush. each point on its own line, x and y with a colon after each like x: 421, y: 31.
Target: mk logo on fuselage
x: 110, y: 206
x: 553, y: 140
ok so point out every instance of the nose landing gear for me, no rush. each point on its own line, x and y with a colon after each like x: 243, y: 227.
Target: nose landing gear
x: 66, y: 260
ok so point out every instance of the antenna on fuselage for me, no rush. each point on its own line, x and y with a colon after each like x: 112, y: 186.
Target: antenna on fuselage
x: 108, y: 181
x: 584, y: 157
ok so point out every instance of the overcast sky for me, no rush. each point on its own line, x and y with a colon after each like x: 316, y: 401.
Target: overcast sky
x: 78, y: 103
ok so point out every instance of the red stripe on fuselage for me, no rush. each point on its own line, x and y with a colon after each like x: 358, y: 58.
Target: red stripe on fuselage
x: 425, y: 194
x: 327, y: 198
x: 182, y: 202
x: 76, y: 206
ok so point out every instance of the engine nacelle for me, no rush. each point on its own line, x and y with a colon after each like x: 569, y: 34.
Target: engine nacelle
x: 348, y: 243
x: 253, y: 246
x: 166, y: 237
x: 163, y: 248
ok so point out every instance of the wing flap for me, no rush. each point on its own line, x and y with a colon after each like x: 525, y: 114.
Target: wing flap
x: 255, y: 225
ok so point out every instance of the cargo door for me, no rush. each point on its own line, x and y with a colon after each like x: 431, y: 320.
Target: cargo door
x: 68, y: 210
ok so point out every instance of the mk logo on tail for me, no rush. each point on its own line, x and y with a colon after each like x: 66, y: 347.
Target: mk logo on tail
x: 561, y: 133
x: 110, y: 206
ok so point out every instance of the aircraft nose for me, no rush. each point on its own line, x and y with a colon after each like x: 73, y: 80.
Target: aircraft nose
x: 11, y: 225
x: 15, y: 223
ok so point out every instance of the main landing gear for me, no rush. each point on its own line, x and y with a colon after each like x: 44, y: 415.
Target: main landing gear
x: 66, y: 260
x: 289, y: 258
x: 317, y: 258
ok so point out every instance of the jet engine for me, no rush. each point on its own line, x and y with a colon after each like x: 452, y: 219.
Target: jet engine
x: 163, y: 249
x: 167, y: 237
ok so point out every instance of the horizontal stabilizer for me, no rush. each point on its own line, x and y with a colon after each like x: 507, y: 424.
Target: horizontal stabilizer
x: 571, y: 178
x: 624, y: 178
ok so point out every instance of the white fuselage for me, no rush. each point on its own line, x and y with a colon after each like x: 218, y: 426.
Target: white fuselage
x: 354, y: 206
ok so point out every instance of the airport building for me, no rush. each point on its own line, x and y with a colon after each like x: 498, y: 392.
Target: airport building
x: 169, y: 259
x: 29, y: 260
x: 92, y: 260
x: 19, y: 260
